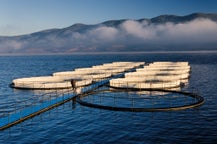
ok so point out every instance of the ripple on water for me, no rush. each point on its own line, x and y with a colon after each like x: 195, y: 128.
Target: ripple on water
x: 87, y: 125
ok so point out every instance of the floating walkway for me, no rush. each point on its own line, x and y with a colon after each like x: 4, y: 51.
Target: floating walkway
x: 33, y: 110
x: 82, y: 81
x: 46, y: 82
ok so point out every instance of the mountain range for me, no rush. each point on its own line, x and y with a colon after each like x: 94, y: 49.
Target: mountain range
x: 197, y: 31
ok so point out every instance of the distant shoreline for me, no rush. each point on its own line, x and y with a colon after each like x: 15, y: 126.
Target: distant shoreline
x: 96, y: 53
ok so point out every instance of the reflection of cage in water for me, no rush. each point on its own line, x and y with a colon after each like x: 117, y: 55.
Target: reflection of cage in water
x: 141, y: 101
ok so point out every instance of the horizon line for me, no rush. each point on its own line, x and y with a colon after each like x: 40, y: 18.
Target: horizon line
x: 96, y: 53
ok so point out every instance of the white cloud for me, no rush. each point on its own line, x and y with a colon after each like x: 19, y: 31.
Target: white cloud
x: 140, y: 30
x: 103, y: 33
x: 133, y: 32
x: 10, y: 46
x: 196, y: 32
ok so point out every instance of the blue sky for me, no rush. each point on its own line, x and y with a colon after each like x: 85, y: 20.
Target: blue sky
x: 26, y: 16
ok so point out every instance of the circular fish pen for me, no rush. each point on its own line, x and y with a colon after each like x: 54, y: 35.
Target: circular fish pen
x: 49, y: 82
x: 143, y: 100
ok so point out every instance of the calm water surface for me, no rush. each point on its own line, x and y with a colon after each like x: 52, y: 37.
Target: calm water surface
x: 66, y: 124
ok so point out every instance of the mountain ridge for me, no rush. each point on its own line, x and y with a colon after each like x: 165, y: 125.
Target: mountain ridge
x: 87, y: 38
x: 161, y: 18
